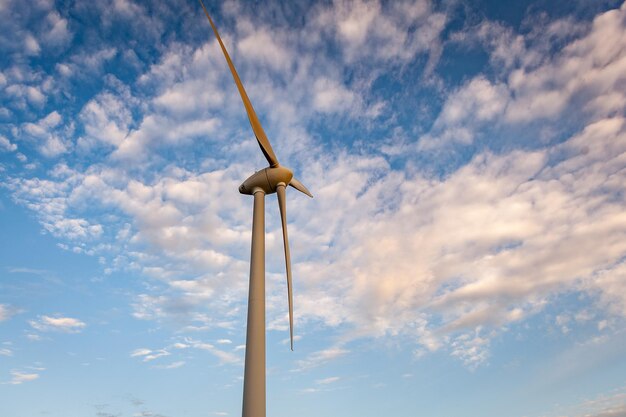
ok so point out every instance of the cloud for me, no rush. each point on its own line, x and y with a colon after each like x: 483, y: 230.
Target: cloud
x: 106, y: 119
x: 50, y: 200
x: 585, y: 72
x: 57, y: 324
x: 331, y: 96
x: 18, y: 377
x: 89, y: 62
x: 223, y: 356
x: 25, y: 95
x: 31, y: 45
x: 619, y: 411
x: 47, y: 135
x: 6, y: 145
x: 328, y: 380
x: 6, y: 312
x: 173, y: 365
x: 55, y: 30
x: 471, y: 107
x: 607, y: 404
x: 471, y: 349
x: 321, y: 357
x: 535, y: 86
x: 262, y: 46
x: 373, y: 30
x: 484, y: 246
x: 140, y: 352
x: 148, y: 354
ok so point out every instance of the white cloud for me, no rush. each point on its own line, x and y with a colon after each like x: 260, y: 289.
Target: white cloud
x: 373, y: 30
x: 57, y: 324
x: 465, y: 111
x: 149, y: 355
x: 74, y: 228
x: 583, y: 78
x: 173, y: 365
x: 18, y: 377
x: 330, y: 96
x: 47, y: 135
x: 32, y: 95
x: 321, y: 357
x: 31, y: 45
x: 471, y: 349
x: 328, y: 380
x: 6, y: 145
x: 56, y: 32
x: 106, y: 118
x: 140, y: 352
x: 262, y: 45
x: 587, y: 71
x: 483, y: 246
x: 223, y: 356
x: 6, y: 312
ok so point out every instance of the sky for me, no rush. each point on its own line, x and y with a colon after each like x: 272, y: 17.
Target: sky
x: 464, y: 253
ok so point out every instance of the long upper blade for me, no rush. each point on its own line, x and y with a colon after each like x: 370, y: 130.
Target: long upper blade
x: 280, y: 191
x: 264, y: 143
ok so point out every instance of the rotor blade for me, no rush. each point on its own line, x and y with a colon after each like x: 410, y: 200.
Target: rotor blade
x: 300, y: 187
x: 264, y: 143
x: 280, y: 191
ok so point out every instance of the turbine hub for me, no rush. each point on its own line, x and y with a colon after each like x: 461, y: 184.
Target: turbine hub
x: 266, y: 180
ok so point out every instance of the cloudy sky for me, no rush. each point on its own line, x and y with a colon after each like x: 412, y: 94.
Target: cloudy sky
x: 464, y: 255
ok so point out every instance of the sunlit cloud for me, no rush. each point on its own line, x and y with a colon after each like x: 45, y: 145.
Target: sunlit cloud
x: 57, y: 324
x: 19, y: 377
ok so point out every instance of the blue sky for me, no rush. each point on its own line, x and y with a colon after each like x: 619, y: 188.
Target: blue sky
x: 464, y: 255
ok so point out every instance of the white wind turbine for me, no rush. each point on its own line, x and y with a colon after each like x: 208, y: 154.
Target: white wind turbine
x: 274, y: 178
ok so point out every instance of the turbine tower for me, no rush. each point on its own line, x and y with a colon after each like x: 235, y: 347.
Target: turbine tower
x: 273, y: 179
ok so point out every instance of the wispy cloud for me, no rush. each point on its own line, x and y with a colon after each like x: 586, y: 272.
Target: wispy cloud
x: 57, y: 324
x: 173, y: 365
x: 6, y: 312
x: 320, y: 357
x: 6, y: 352
x: 223, y: 356
x: 148, y: 355
x: 326, y: 381
x: 19, y: 377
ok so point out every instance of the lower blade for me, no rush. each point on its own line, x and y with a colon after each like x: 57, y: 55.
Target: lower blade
x: 282, y: 204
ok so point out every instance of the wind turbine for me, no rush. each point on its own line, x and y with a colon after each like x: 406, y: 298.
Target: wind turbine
x: 273, y: 179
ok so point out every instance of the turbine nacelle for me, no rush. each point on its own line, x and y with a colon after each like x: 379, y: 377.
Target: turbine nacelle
x: 269, y: 179
x: 266, y: 180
